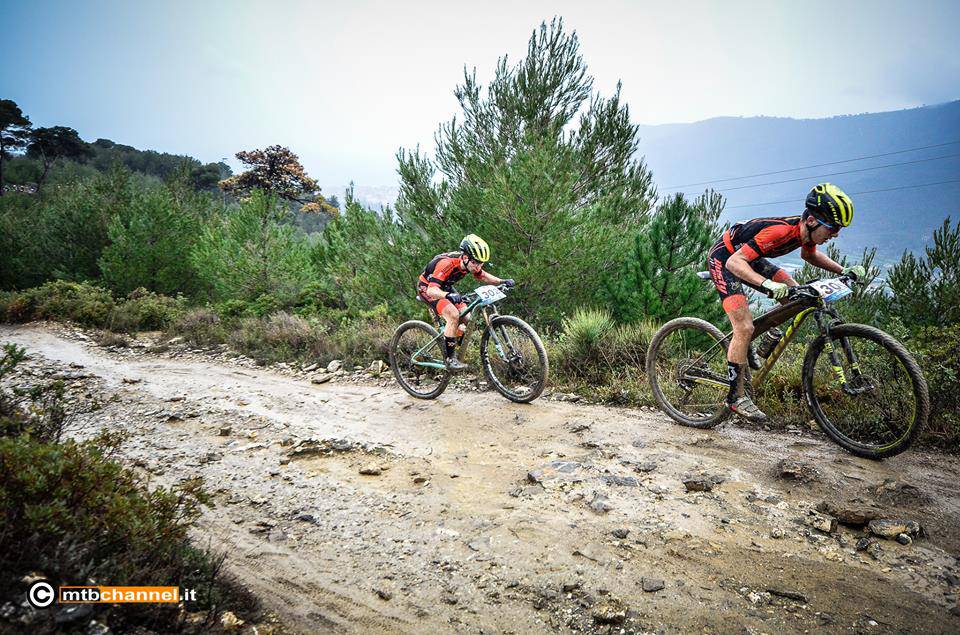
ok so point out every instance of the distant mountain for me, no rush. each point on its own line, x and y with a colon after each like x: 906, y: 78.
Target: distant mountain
x: 729, y: 147
x: 894, y: 220
x: 375, y: 197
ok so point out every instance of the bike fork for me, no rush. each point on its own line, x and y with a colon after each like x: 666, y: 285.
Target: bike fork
x: 835, y: 361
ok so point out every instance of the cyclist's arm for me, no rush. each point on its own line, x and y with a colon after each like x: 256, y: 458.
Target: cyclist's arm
x: 739, y: 265
x: 819, y: 259
x: 488, y: 278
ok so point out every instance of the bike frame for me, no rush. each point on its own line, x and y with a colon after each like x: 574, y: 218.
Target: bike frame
x: 796, y: 313
x: 488, y: 311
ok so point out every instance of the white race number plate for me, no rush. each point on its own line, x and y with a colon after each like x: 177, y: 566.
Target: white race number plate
x: 489, y: 294
x: 831, y: 290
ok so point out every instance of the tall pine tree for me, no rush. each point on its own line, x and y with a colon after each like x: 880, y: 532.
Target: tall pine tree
x: 658, y: 278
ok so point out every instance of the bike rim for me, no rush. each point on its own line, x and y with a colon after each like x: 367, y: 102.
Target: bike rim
x: 883, y: 413
x: 419, y: 379
x: 515, y: 366
x: 691, y: 373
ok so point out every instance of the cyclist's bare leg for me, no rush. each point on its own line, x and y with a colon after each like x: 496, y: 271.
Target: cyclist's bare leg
x: 742, y: 322
x: 738, y: 310
x: 452, y: 315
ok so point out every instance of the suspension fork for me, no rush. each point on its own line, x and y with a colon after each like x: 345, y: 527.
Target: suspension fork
x: 834, y: 357
x: 489, y: 313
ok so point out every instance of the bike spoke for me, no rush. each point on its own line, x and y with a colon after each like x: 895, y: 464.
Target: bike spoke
x: 876, y: 405
x: 690, y: 371
x: 415, y: 346
x: 513, y: 360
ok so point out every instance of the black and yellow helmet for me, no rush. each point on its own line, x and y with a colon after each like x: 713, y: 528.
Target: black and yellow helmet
x: 828, y: 204
x: 475, y: 247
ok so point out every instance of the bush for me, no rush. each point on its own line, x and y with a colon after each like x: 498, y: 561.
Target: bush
x: 581, y: 347
x: 249, y: 252
x: 150, y: 242
x: 78, y: 301
x: 278, y: 337
x: 629, y: 343
x: 938, y: 353
x: 199, y: 327
x: 146, y: 311
x: 38, y: 411
x: 74, y: 514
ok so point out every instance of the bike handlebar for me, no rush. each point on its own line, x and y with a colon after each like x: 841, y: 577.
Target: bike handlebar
x: 470, y: 297
x: 804, y: 289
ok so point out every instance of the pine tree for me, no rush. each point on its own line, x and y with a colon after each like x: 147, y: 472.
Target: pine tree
x: 542, y: 168
x: 658, y: 280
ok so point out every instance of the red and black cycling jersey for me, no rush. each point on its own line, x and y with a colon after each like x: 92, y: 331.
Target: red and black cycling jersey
x: 444, y: 271
x: 766, y: 237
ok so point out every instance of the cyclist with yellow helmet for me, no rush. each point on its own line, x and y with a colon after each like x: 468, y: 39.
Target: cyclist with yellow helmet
x: 740, y: 257
x: 435, y: 287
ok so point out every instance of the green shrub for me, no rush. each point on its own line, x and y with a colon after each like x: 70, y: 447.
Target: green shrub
x: 938, y: 353
x: 74, y: 514
x: 39, y: 411
x: 628, y: 344
x: 81, y: 302
x: 356, y: 342
x: 151, y: 240
x: 199, y: 327
x: 278, y: 337
x: 581, y: 349
x: 146, y: 311
x: 249, y: 252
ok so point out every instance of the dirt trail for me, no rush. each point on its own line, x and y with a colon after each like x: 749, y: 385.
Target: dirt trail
x: 489, y: 516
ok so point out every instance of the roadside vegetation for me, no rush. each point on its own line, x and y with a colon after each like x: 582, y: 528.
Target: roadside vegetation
x: 539, y: 162
x: 71, y: 514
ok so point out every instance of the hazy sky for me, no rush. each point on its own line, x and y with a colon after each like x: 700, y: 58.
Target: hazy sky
x: 345, y: 84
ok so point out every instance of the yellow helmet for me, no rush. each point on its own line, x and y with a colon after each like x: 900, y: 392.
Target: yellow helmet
x: 475, y: 247
x: 828, y: 204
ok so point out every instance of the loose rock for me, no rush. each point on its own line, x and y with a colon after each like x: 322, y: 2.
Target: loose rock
x: 890, y: 528
x: 826, y: 524
x: 798, y: 470
x: 651, y: 585
x: 610, y: 611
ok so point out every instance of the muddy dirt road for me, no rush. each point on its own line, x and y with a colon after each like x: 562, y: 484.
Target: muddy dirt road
x: 352, y: 507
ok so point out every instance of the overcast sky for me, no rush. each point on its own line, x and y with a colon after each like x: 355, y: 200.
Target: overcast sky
x: 345, y: 84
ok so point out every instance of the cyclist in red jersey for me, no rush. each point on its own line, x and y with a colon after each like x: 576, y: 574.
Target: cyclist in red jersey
x: 740, y: 257
x: 435, y: 287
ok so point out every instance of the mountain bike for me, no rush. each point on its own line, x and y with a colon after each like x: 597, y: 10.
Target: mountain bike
x: 863, y: 388
x: 511, y: 353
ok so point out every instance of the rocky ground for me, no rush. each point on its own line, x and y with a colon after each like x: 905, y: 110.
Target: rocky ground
x: 351, y: 507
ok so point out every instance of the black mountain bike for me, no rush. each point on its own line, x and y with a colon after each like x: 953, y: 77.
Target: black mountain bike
x: 865, y: 391
x: 511, y: 353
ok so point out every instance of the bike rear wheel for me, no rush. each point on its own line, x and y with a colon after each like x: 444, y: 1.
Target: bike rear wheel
x: 883, y: 403
x: 423, y: 382
x: 687, y: 369
x: 514, y: 359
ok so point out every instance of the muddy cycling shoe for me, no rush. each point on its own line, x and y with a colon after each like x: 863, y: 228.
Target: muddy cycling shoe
x: 454, y: 365
x: 753, y: 359
x: 745, y: 408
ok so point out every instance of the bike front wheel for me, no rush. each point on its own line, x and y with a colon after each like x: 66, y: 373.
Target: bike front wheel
x: 687, y: 368
x: 875, y: 401
x: 514, y: 359
x: 414, y: 345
